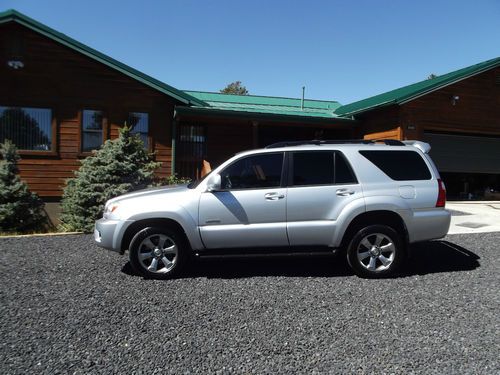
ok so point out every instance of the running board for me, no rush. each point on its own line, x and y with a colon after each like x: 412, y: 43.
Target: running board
x: 268, y: 253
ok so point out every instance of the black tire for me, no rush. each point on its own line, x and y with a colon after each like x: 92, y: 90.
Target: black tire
x: 376, y: 251
x: 158, y: 253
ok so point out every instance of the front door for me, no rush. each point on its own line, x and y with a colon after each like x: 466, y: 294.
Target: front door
x: 250, y: 209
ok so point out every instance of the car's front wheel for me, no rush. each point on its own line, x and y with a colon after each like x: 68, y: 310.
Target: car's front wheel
x: 157, y: 253
x: 376, y: 251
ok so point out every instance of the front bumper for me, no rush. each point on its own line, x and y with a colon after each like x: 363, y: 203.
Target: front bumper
x: 108, y: 234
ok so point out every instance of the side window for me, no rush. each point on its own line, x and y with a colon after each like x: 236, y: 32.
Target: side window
x: 254, y: 172
x: 313, y: 168
x: 343, y: 171
x: 139, y: 121
x: 399, y: 165
x: 28, y: 128
x: 91, y: 130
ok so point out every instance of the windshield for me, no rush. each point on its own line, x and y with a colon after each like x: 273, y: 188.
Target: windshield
x: 194, y: 184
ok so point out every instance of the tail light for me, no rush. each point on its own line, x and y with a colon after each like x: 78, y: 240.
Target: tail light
x: 441, y: 201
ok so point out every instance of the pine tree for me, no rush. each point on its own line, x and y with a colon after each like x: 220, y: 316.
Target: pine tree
x: 118, y: 167
x: 20, y: 209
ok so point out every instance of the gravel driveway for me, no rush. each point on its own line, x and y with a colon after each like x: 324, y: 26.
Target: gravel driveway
x: 69, y: 307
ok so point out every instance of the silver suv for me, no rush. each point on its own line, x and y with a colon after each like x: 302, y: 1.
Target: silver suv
x: 366, y: 199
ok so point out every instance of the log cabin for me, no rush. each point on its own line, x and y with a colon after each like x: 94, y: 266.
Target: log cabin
x: 61, y: 99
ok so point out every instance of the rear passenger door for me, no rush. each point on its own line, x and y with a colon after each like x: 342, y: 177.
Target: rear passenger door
x: 320, y: 185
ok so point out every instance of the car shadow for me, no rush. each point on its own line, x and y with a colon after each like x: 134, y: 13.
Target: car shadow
x: 424, y: 258
x: 439, y: 256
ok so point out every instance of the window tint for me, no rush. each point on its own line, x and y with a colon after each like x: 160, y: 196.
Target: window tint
x: 91, y: 130
x: 312, y: 168
x: 399, y: 165
x: 27, y: 128
x: 253, y: 172
x: 343, y: 171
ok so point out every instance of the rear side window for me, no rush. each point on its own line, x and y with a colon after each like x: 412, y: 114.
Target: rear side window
x: 320, y: 168
x: 313, y: 168
x: 399, y: 165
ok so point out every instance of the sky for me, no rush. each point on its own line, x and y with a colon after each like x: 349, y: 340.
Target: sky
x: 339, y: 50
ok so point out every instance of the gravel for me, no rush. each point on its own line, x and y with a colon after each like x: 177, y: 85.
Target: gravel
x: 67, y: 306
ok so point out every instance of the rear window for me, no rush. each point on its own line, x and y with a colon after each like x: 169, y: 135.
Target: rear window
x: 399, y: 165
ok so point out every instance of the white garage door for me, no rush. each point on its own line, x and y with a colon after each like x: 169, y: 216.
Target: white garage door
x: 458, y: 153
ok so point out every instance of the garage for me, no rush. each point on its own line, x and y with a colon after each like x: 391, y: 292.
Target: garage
x: 470, y: 165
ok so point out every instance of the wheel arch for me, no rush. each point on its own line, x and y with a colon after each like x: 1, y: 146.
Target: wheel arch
x: 151, y: 222
x: 380, y: 217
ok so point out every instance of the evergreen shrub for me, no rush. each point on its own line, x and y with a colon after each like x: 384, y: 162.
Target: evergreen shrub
x: 20, y: 209
x: 120, y: 166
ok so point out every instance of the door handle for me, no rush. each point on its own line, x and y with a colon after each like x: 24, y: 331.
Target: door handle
x: 273, y: 196
x: 344, y: 192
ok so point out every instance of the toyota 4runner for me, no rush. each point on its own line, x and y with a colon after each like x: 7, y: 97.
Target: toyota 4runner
x: 369, y: 200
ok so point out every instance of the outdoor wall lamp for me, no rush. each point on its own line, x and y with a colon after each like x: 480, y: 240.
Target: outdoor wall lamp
x: 15, y: 64
x: 454, y: 99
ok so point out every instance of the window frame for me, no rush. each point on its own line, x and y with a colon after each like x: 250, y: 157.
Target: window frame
x: 54, y: 128
x: 105, y: 130
x: 335, y: 154
x: 283, y: 177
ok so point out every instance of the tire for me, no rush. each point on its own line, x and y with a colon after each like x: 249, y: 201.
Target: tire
x: 158, y: 253
x: 376, y: 251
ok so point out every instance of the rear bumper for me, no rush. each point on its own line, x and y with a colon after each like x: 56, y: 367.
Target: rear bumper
x: 429, y: 224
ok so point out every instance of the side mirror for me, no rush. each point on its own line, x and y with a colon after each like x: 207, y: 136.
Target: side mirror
x: 214, y: 182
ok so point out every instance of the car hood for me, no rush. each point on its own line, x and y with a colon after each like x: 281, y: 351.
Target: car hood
x: 146, y: 193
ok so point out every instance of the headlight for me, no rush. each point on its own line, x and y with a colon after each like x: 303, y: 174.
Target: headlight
x: 110, y: 208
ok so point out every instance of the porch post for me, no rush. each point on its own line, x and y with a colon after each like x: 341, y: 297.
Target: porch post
x: 255, y: 134
x: 174, y: 137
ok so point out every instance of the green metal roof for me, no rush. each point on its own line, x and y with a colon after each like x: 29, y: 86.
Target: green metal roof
x: 14, y: 16
x: 267, y: 105
x: 410, y: 92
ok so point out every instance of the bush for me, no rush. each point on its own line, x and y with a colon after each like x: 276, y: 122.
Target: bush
x: 174, y: 180
x: 20, y: 209
x: 118, y: 167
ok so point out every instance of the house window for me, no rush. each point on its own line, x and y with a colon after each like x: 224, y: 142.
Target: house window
x: 191, y: 150
x: 139, y: 122
x: 28, y: 128
x: 91, y: 130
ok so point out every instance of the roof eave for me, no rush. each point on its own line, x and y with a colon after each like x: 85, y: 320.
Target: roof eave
x: 15, y: 16
x: 259, y: 115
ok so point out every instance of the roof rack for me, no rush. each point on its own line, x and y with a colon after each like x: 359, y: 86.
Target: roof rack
x: 317, y: 142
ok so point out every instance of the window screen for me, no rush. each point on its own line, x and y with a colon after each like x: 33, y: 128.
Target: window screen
x: 253, y: 172
x: 91, y: 130
x: 27, y: 128
x: 399, y: 165
x: 139, y: 123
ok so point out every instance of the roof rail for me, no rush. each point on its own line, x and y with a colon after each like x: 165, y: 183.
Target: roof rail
x: 317, y: 142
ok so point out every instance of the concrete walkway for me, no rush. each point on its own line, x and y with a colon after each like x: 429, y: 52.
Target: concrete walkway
x: 474, y: 216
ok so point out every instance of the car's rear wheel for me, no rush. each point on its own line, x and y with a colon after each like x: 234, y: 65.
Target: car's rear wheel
x: 157, y: 253
x: 376, y: 251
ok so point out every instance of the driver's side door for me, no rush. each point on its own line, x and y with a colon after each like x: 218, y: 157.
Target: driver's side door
x: 250, y: 208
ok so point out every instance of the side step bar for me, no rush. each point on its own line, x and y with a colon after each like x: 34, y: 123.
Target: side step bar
x: 235, y: 254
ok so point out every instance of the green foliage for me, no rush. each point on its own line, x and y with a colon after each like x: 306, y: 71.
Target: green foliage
x: 235, y: 88
x: 174, y: 180
x: 120, y: 166
x: 432, y: 76
x: 20, y: 209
